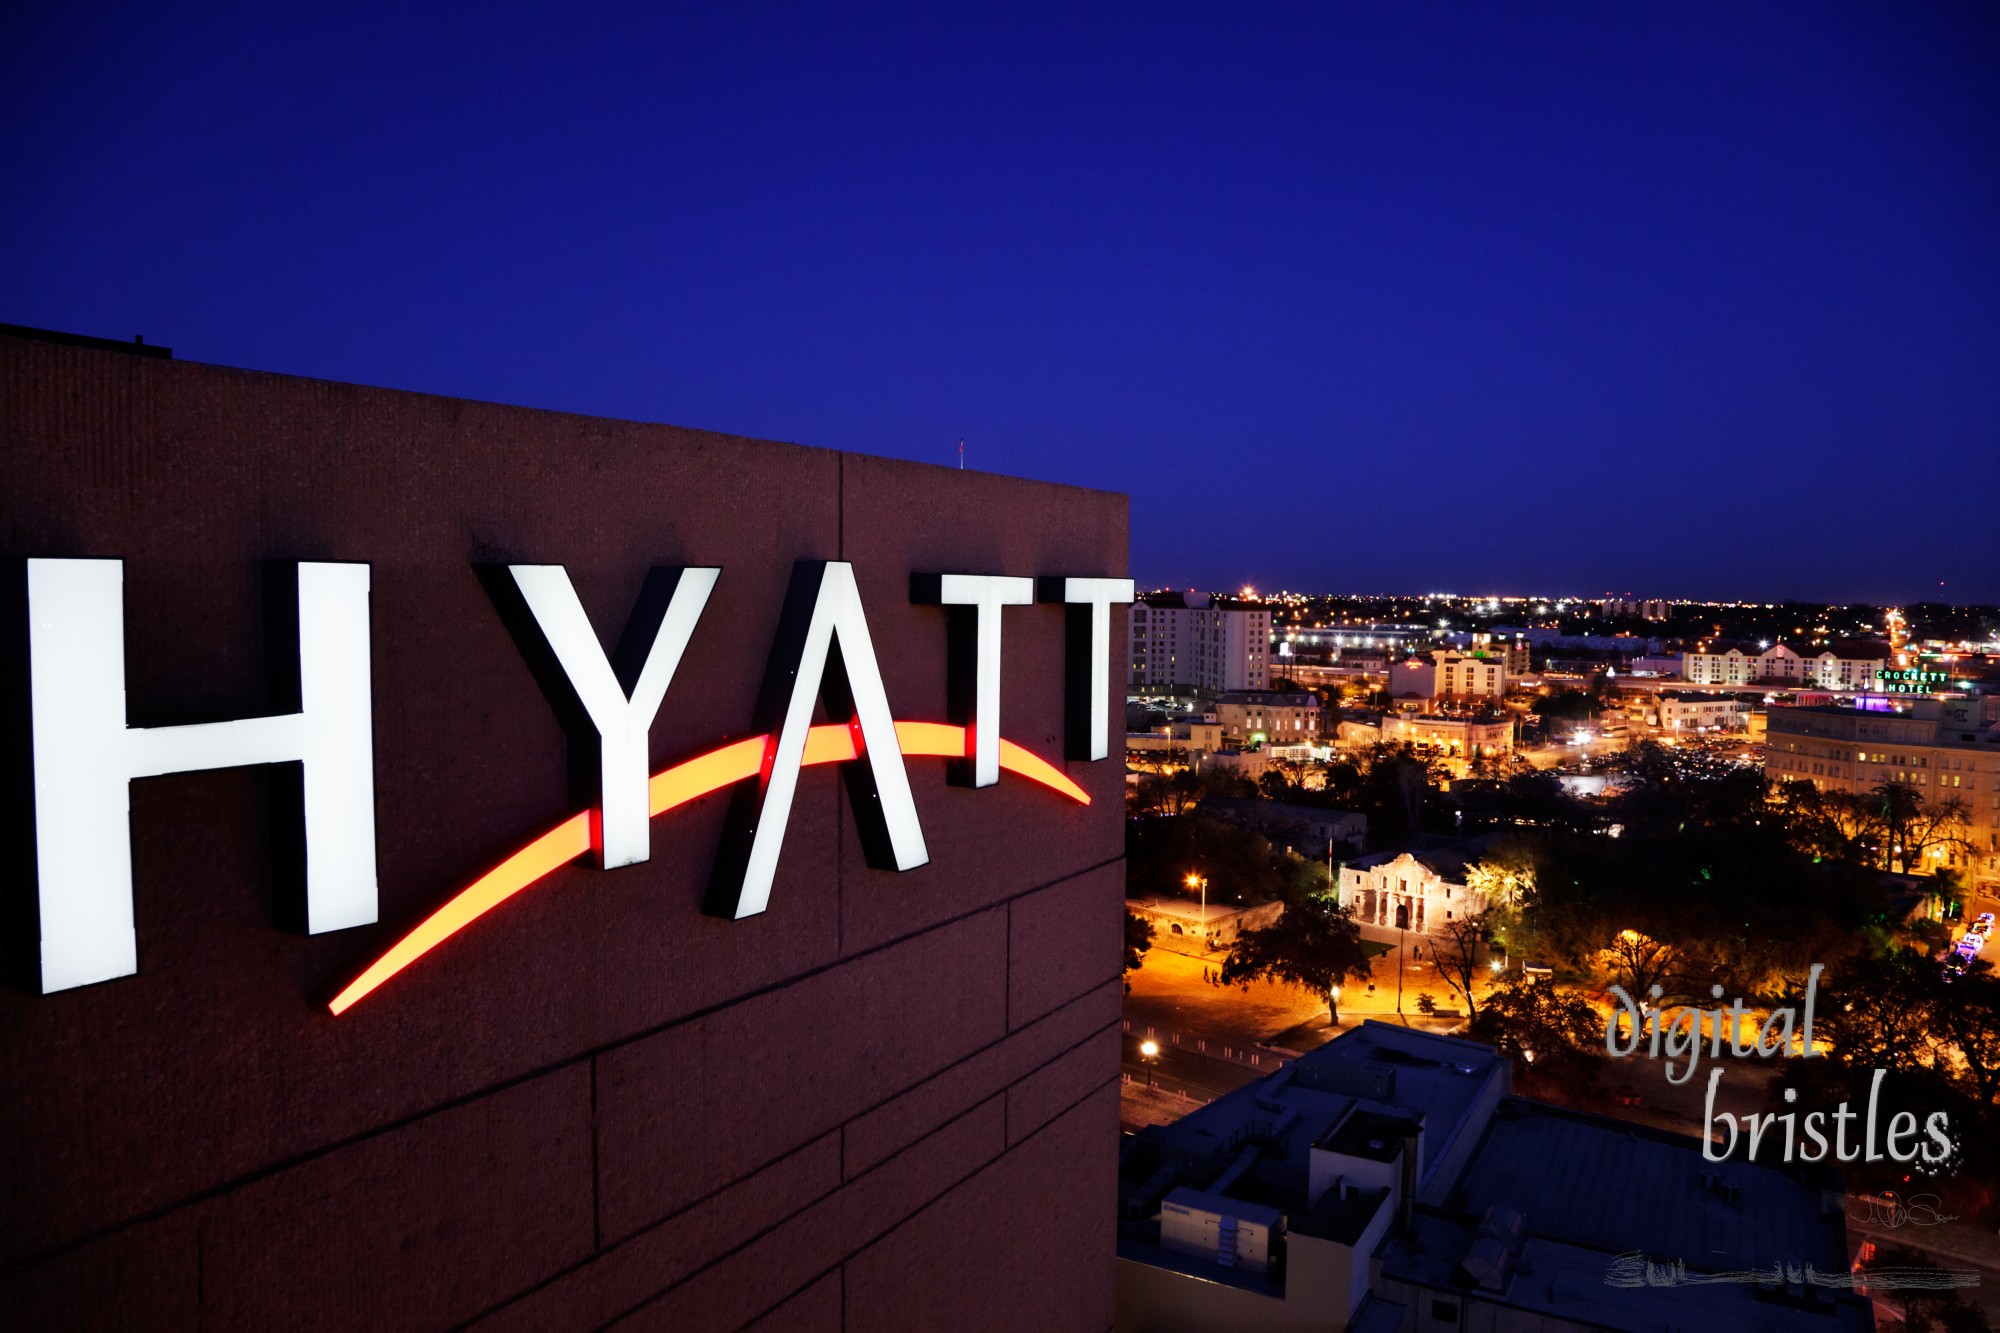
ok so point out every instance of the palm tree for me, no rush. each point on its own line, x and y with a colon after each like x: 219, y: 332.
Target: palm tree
x: 1894, y: 805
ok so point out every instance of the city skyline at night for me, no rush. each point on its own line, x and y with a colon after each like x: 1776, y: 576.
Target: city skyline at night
x: 1701, y: 304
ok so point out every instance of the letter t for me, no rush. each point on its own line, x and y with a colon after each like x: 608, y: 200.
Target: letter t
x: 973, y: 673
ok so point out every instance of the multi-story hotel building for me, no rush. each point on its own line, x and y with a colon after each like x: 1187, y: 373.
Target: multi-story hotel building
x: 1180, y: 639
x: 1262, y: 715
x: 615, y: 1097
x: 1513, y: 652
x: 1944, y: 748
x: 1848, y: 665
x: 1449, y: 675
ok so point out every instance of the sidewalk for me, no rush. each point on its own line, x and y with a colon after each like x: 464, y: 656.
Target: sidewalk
x: 1262, y: 1057
x: 1140, y: 1106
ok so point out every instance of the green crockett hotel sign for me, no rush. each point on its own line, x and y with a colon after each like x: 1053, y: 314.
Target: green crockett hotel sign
x: 1909, y: 682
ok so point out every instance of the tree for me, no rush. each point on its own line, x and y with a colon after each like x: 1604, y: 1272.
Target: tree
x: 1944, y: 893
x: 1888, y: 1011
x: 1643, y: 962
x: 1274, y: 785
x: 1171, y: 795
x: 1891, y: 805
x: 1397, y: 785
x: 1941, y: 824
x: 1824, y: 824
x: 1239, y: 864
x: 1569, y: 705
x: 1138, y: 939
x: 1972, y: 1022
x: 1504, y: 878
x: 1314, y: 945
x: 1554, y: 1033
x: 1910, y: 826
x: 1455, y: 948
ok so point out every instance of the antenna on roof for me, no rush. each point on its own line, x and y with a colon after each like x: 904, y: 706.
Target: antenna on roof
x: 961, y: 453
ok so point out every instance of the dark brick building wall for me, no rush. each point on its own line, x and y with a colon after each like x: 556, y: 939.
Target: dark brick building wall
x: 886, y: 1103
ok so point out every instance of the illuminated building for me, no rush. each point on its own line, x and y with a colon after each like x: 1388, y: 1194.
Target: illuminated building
x: 1848, y: 665
x: 1944, y: 748
x: 1418, y: 890
x: 1390, y: 1181
x: 1681, y: 713
x: 1181, y: 640
x: 1258, y: 716
x: 1651, y: 608
x: 541, y: 1075
x: 1464, y: 737
x: 1449, y: 676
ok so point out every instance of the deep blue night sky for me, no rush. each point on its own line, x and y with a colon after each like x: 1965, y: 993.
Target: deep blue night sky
x: 1685, y: 300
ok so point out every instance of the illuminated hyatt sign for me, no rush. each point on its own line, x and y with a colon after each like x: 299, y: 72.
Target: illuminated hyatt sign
x: 85, y: 754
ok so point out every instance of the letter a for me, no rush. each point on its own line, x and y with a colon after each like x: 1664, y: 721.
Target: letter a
x: 823, y: 651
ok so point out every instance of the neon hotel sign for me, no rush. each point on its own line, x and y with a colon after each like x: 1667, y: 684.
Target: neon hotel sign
x: 85, y: 755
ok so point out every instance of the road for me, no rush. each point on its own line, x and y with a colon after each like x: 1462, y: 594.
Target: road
x: 1177, y: 1069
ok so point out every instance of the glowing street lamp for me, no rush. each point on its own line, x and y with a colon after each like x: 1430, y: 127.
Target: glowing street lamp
x: 1149, y: 1050
x: 1201, y: 882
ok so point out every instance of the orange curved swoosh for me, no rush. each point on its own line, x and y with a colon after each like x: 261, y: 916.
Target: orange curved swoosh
x: 671, y: 787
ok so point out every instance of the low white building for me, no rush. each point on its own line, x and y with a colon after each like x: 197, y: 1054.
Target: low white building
x: 1218, y: 923
x: 1418, y: 891
x: 1463, y: 736
x: 1684, y: 714
x: 1247, y: 764
x: 1192, y: 741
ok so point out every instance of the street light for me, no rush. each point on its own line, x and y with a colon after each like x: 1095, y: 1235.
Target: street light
x: 1195, y: 881
x: 1149, y: 1050
x: 1401, y: 936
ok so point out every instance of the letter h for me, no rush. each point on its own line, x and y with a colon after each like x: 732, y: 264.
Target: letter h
x: 84, y: 756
